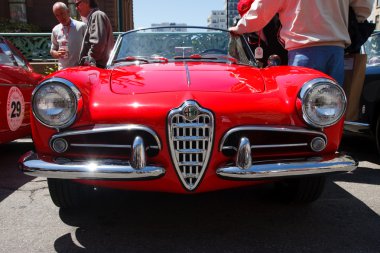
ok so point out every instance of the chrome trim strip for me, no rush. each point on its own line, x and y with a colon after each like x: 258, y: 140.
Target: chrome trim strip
x: 269, y: 146
x: 113, y: 52
x: 99, y: 145
x: 351, y: 123
x: 269, y: 129
x: 229, y: 148
x: 17, y: 85
x: 190, y: 163
x: 190, y: 138
x: 191, y: 151
x: 310, y: 166
x: 109, y: 128
x: 279, y: 145
x: 107, y: 146
x: 190, y: 125
x: 187, y: 75
x: 98, y: 169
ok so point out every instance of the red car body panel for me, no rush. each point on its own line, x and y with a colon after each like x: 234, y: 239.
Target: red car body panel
x: 21, y: 80
x: 185, y: 110
x: 218, y: 77
x: 143, y: 94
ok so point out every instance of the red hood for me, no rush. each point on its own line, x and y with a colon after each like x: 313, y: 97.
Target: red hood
x: 169, y: 77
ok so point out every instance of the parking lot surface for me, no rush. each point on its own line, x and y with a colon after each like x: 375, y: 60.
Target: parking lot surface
x: 345, y: 219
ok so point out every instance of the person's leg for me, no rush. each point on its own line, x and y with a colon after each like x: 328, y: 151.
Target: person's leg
x: 327, y: 59
x: 305, y: 57
x: 335, y: 65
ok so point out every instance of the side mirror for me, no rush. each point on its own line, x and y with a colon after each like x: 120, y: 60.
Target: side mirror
x: 274, y: 60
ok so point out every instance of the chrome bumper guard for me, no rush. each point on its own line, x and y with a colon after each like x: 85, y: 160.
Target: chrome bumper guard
x: 273, y: 169
x: 31, y: 165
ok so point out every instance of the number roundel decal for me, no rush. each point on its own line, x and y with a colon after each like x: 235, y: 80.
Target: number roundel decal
x: 15, y: 108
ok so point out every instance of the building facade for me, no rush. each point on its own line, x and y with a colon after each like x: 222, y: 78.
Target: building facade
x: 224, y: 18
x: 39, y: 12
x: 217, y: 19
x: 230, y: 7
x: 375, y: 16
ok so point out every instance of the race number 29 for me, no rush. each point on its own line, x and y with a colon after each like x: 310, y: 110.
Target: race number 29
x: 15, y: 108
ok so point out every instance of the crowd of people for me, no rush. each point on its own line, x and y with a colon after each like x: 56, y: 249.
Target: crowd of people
x: 312, y: 34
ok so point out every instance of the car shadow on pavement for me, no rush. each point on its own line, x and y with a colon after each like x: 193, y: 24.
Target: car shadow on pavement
x: 241, y: 220
x: 364, y: 150
x: 11, y: 178
x: 363, y: 147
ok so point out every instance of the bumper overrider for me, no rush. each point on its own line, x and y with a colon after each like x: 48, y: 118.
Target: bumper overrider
x: 32, y: 165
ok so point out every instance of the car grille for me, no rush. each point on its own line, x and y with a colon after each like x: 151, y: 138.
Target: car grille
x: 191, y: 131
x: 107, y: 140
x: 273, y: 141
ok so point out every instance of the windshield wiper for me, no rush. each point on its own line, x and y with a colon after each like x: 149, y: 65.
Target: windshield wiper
x: 131, y: 58
x: 194, y: 57
x: 200, y: 57
x: 142, y: 59
x: 160, y: 59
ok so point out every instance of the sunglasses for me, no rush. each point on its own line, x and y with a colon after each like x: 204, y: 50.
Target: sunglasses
x: 78, y: 3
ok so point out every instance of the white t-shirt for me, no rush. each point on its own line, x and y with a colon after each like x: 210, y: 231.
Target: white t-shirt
x: 306, y: 22
x: 74, y: 34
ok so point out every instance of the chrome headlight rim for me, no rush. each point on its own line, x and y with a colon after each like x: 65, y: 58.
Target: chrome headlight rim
x: 308, y: 87
x: 71, y: 88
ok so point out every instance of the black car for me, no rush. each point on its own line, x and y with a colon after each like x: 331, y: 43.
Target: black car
x: 367, y: 119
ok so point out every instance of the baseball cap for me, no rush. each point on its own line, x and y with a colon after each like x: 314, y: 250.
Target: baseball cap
x: 243, y: 6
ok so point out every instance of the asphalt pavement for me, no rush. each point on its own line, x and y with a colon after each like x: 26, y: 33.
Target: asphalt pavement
x: 345, y: 219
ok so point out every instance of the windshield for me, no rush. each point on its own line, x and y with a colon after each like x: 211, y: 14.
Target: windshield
x: 166, y: 44
x: 372, y: 49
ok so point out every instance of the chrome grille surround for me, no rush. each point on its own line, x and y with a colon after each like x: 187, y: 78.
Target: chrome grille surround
x: 190, y: 134
x: 90, y: 141
x: 303, y: 142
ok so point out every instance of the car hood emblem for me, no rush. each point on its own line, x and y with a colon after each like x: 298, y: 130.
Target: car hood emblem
x: 190, y: 112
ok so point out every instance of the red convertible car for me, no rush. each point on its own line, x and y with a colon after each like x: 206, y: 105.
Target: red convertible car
x: 17, y: 81
x: 185, y: 111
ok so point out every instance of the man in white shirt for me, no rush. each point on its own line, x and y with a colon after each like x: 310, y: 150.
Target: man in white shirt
x: 66, y: 37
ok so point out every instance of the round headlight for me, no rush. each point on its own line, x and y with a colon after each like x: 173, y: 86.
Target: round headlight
x: 323, y: 102
x: 55, y: 103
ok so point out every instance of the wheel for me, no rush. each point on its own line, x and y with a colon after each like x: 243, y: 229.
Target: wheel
x: 301, y: 190
x: 68, y: 194
x: 377, y: 133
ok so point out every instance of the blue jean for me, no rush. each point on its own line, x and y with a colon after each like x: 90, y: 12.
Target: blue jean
x: 327, y: 59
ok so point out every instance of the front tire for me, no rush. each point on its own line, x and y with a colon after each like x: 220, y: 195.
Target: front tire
x: 301, y: 190
x: 68, y: 194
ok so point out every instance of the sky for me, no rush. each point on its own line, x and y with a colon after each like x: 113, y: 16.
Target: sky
x: 192, y: 12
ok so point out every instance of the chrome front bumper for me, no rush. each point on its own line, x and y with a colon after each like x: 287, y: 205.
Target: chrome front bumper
x: 31, y: 165
x: 302, y: 167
